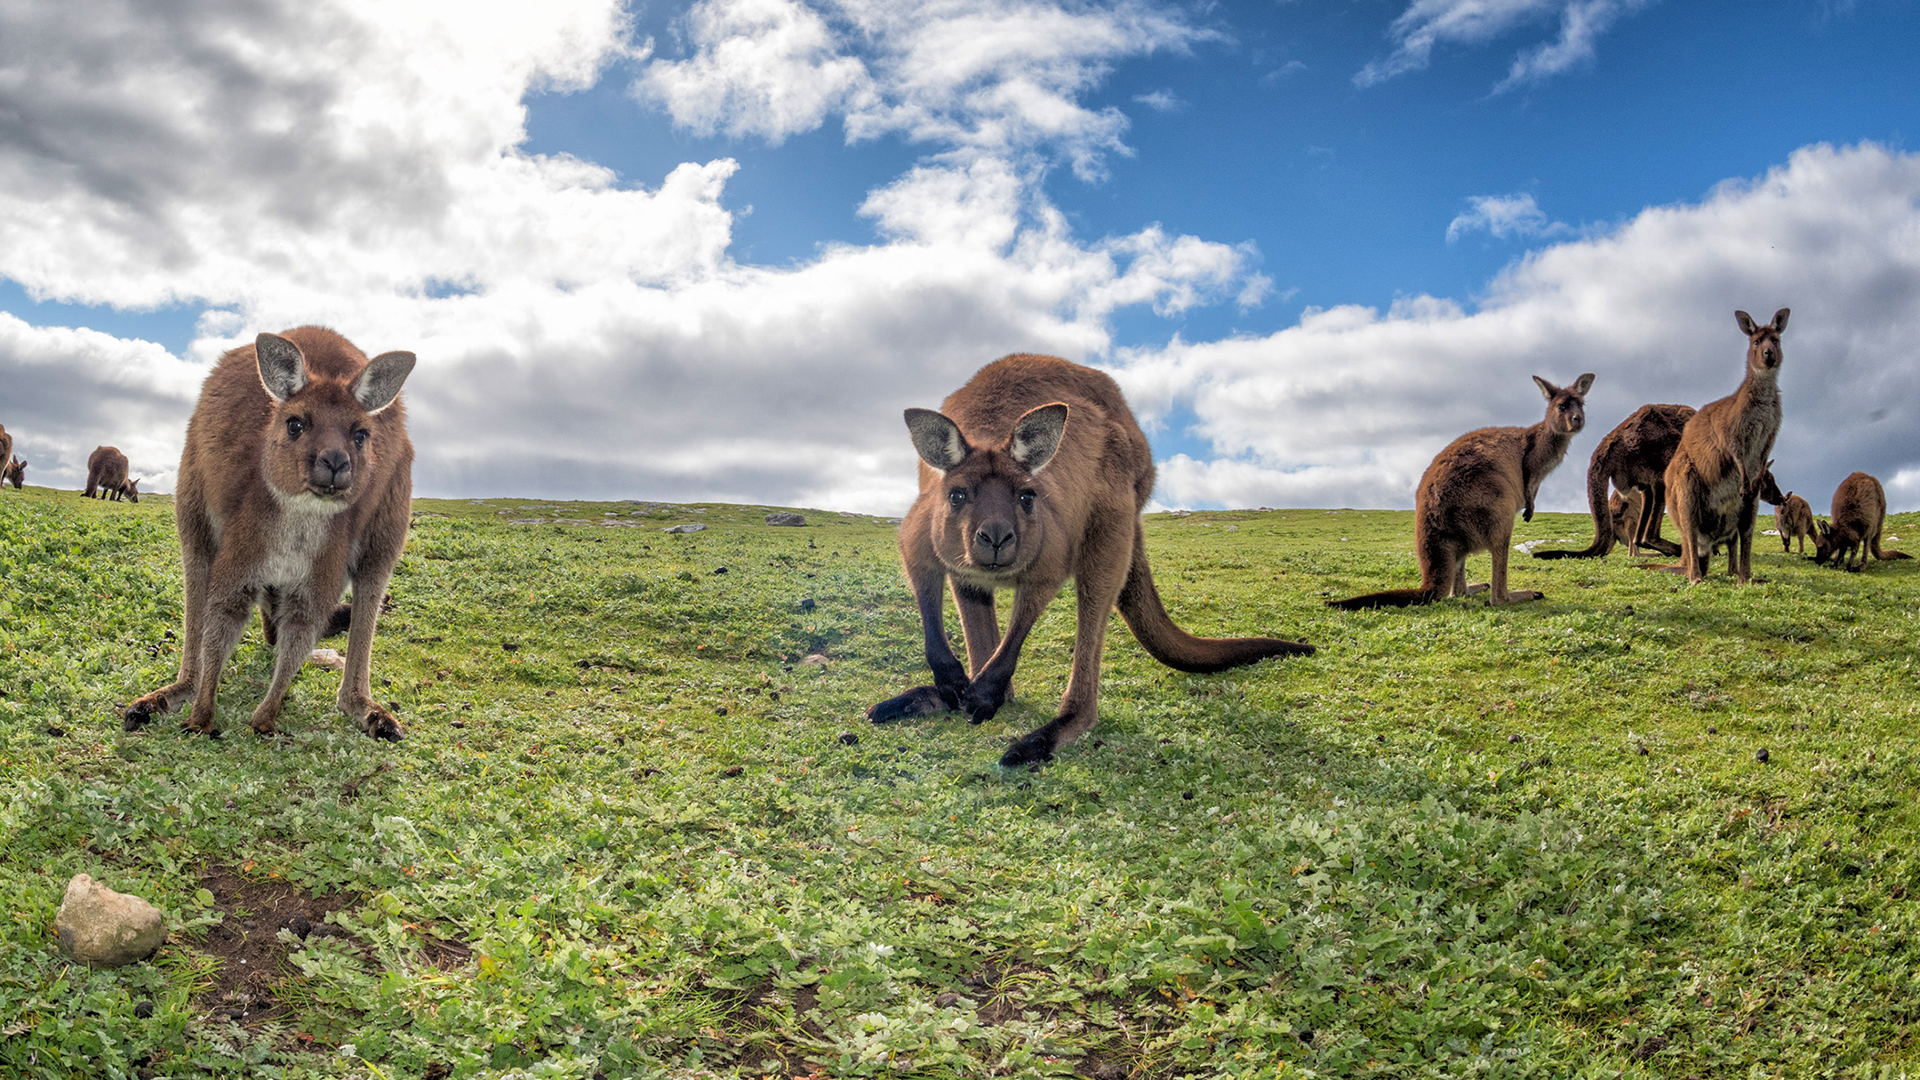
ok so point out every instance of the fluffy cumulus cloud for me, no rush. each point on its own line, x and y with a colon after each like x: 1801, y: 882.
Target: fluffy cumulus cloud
x: 1348, y: 407
x: 1426, y: 24
x: 969, y: 78
x: 359, y: 164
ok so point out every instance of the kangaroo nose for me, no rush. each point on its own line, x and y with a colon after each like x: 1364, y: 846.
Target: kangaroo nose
x: 333, y: 468
x: 994, y: 535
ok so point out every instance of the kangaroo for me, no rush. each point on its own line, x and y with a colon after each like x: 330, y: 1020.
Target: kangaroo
x: 296, y: 479
x: 6, y: 444
x: 1793, y: 517
x: 1032, y: 473
x: 1623, y: 513
x: 1633, y: 458
x: 1468, y: 496
x: 1859, y: 517
x: 1713, y: 480
x: 107, y: 475
x: 16, y: 473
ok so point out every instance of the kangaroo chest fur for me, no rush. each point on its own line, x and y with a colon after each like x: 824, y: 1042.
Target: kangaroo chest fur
x: 295, y: 541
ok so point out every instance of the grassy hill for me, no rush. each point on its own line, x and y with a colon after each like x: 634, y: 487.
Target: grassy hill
x: 639, y: 826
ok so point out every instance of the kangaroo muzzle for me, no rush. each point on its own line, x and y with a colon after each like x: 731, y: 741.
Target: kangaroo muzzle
x: 331, y: 472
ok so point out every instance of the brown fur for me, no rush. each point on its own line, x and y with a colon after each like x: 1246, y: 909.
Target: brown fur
x: 1469, y: 495
x: 1859, y: 517
x: 16, y: 473
x: 1633, y: 458
x: 1623, y: 511
x: 107, y: 475
x: 1713, y: 482
x: 6, y: 445
x: 296, y: 479
x: 1794, y: 519
x: 1032, y: 473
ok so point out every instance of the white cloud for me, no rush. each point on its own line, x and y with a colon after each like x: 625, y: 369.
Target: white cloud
x: 988, y: 77
x: 1427, y: 23
x: 1159, y: 101
x: 1348, y: 407
x: 344, y: 163
x: 1505, y: 216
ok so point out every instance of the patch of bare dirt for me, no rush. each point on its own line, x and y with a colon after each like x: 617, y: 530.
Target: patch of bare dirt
x: 253, y: 961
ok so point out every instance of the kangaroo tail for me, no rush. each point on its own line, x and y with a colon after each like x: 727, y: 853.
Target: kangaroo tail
x: 1889, y: 556
x: 1602, y: 522
x: 1390, y: 598
x: 1148, y: 619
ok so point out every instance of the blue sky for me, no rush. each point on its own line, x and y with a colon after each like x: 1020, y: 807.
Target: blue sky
x: 1282, y: 179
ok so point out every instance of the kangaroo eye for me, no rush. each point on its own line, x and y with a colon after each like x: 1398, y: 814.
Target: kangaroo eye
x: 1026, y: 501
x: 295, y: 426
x: 957, y: 498
x: 360, y: 439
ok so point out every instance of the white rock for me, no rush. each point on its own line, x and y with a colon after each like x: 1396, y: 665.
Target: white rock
x: 103, y: 928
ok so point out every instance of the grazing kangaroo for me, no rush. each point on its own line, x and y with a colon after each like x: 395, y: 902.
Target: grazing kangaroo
x: 16, y: 473
x: 1032, y: 473
x: 1793, y: 517
x: 1859, y: 517
x: 1468, y: 496
x: 297, y: 477
x: 1633, y: 458
x: 107, y: 475
x: 1713, y: 482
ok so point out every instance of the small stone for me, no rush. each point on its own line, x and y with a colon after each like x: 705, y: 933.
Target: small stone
x: 946, y: 1001
x: 103, y: 928
x: 693, y: 527
x: 143, y: 1010
x: 457, y: 723
x: 328, y: 658
x: 784, y: 518
x: 721, y: 711
x: 814, y: 660
x: 733, y: 770
x: 1761, y: 755
x: 848, y: 738
x: 1711, y: 730
x: 806, y: 603
x: 1514, y: 738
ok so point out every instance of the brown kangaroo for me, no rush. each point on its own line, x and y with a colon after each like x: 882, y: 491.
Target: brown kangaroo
x: 1468, y: 496
x: 16, y: 473
x: 1623, y: 511
x: 1032, y: 473
x: 1793, y: 517
x: 107, y: 475
x: 1633, y: 458
x: 1713, y: 482
x: 6, y: 444
x: 1859, y: 517
x: 297, y: 477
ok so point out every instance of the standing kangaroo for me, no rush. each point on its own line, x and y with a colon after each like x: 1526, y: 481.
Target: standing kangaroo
x: 1032, y: 473
x: 1633, y: 458
x: 1794, y: 520
x: 1468, y: 496
x: 6, y: 445
x: 1859, y: 517
x: 297, y: 478
x: 107, y: 475
x: 1713, y: 482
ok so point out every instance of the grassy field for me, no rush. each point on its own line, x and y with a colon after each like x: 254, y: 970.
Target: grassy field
x: 639, y: 826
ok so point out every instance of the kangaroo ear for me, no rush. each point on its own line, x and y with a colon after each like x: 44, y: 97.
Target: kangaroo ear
x: 1547, y: 389
x: 283, y: 371
x: 1582, y: 384
x: 379, y: 384
x: 1037, y: 435
x: 937, y: 439
x: 1747, y: 325
x: 1780, y: 319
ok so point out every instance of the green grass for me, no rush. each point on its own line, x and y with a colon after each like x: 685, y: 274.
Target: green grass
x: 1457, y: 842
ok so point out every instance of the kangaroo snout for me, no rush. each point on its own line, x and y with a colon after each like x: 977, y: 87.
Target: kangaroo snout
x: 332, y: 471
x: 993, y: 540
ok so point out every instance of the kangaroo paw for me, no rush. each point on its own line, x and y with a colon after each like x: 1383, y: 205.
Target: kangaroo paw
x: 1030, y: 749
x: 381, y: 724
x: 138, y: 715
x: 919, y: 701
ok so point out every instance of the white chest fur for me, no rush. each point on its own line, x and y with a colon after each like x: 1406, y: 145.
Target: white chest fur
x: 297, y: 539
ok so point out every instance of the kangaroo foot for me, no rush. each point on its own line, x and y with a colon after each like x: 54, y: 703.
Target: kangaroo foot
x: 1521, y: 596
x: 1476, y: 590
x: 1034, y: 747
x: 919, y: 701
x: 380, y: 724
